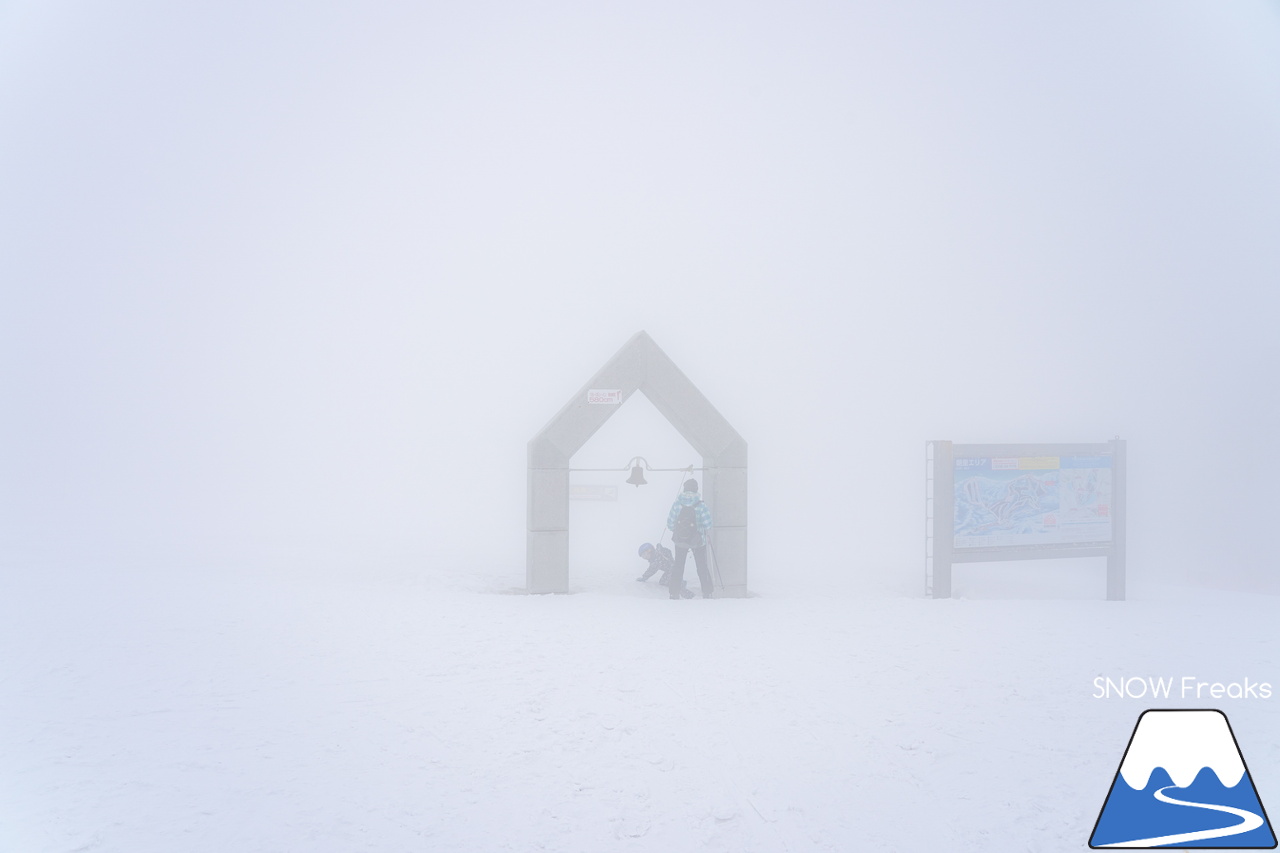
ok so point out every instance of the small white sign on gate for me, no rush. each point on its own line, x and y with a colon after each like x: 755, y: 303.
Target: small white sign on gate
x: 592, y: 492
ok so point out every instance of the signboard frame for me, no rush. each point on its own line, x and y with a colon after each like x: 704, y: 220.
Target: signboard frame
x: 942, y: 455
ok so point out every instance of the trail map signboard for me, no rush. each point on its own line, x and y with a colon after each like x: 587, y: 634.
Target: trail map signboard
x: 1031, y: 500
x: 1025, y: 502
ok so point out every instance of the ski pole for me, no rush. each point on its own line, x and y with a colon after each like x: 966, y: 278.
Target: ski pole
x: 715, y: 560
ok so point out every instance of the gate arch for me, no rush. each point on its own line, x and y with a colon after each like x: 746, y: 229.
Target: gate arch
x: 639, y: 366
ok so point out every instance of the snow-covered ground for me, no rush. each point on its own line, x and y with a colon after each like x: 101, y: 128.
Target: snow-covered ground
x: 212, y: 714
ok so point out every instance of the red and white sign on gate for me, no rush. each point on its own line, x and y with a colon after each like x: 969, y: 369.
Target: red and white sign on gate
x: 604, y: 396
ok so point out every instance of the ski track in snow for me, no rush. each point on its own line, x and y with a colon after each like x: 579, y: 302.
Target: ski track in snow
x: 204, y: 715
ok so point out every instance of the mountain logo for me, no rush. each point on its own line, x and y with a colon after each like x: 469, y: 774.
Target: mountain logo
x: 1183, y: 783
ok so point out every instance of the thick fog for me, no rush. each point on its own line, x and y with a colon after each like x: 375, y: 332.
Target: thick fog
x: 288, y: 287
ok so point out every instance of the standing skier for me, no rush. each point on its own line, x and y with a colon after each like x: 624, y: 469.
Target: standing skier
x: 689, y: 521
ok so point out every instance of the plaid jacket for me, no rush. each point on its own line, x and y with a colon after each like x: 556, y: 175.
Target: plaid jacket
x: 700, y: 509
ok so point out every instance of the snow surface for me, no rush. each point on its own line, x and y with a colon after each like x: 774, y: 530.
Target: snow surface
x: 231, y: 713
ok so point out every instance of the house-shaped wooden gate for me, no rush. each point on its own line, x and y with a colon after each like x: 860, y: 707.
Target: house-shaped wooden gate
x: 639, y: 366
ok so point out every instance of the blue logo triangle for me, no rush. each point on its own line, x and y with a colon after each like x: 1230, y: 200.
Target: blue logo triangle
x: 1183, y: 783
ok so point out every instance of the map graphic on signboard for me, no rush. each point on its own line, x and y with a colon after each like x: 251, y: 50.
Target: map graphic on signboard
x: 1032, y: 500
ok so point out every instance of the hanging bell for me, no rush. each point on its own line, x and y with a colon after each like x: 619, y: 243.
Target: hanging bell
x: 637, y: 476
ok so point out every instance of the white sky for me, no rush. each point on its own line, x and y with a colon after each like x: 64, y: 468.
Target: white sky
x: 292, y: 285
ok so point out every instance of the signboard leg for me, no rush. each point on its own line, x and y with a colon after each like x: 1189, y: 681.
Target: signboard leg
x: 1119, y: 498
x: 1115, y: 577
x: 944, y: 517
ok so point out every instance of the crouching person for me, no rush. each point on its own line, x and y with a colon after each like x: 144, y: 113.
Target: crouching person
x: 661, y: 560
